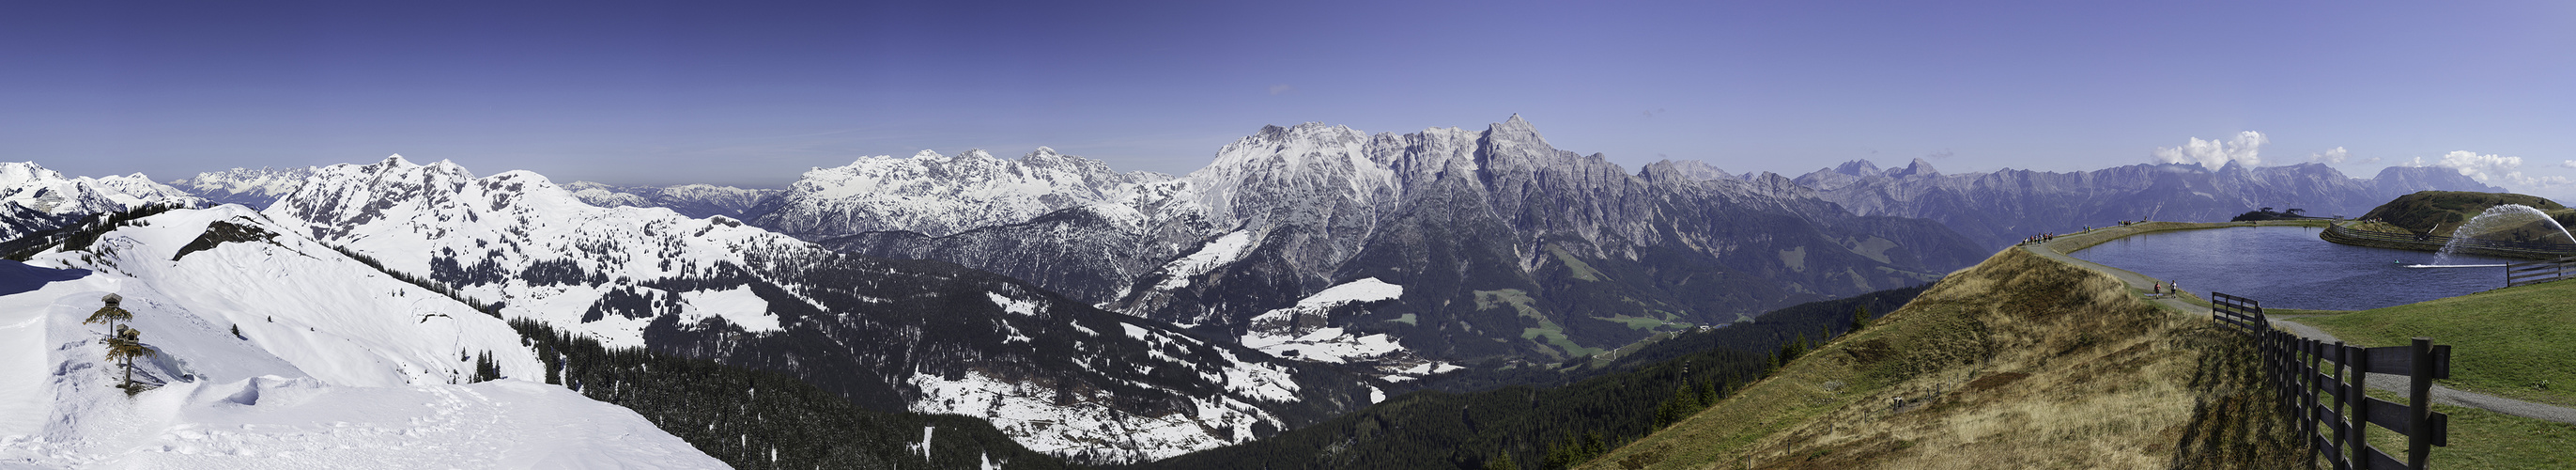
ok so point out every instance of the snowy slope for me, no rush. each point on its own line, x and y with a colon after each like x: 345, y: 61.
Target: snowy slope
x: 441, y: 220
x: 336, y: 366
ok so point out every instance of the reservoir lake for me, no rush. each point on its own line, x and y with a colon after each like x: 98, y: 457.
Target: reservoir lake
x: 2289, y: 267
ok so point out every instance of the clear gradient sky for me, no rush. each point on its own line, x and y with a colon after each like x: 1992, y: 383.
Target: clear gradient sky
x: 753, y: 93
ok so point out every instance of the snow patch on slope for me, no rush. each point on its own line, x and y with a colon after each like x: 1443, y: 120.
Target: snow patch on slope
x: 1224, y: 250
x: 1021, y: 409
x: 1298, y: 332
x: 738, y: 306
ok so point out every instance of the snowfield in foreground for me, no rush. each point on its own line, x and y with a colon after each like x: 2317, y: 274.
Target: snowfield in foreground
x: 334, y: 367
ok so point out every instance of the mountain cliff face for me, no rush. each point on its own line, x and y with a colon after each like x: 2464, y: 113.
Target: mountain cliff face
x: 1057, y: 375
x: 937, y: 196
x: 2002, y: 207
x: 1500, y: 245
x: 693, y: 200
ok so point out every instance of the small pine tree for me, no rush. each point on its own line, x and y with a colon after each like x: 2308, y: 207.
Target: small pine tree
x: 110, y: 315
x: 1791, y: 351
x: 124, y: 343
x: 1502, y: 462
x: 1860, y: 317
x: 122, y: 348
x: 1708, y: 393
x: 486, y: 369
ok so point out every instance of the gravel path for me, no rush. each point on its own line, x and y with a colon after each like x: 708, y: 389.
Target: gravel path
x: 2446, y: 395
x: 2441, y: 394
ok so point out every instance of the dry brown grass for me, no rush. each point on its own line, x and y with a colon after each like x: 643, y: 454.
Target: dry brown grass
x: 2019, y: 362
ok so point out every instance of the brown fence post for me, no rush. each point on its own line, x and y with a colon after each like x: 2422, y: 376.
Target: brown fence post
x: 2357, y: 359
x: 2426, y: 430
x: 2308, y: 392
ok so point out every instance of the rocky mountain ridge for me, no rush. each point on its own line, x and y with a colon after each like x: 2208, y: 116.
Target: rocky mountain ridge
x: 2000, y: 207
x: 253, y: 188
x: 693, y: 200
x: 1502, y: 246
x: 35, y: 199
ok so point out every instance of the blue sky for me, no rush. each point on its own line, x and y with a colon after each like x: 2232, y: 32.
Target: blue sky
x: 721, y: 92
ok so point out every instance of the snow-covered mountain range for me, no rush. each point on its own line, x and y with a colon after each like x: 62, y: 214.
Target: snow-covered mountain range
x: 1083, y: 312
x: 1061, y: 376
x: 1499, y: 243
x: 34, y: 199
x: 253, y: 188
x: 693, y: 200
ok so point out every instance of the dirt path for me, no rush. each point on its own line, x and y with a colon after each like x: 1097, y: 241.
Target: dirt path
x: 2186, y: 302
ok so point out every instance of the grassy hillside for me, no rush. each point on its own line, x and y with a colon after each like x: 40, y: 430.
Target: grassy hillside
x: 2440, y: 212
x: 2518, y: 342
x: 2019, y: 362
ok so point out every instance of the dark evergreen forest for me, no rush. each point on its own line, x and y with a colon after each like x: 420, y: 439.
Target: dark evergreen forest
x: 754, y: 419
x: 1570, y: 417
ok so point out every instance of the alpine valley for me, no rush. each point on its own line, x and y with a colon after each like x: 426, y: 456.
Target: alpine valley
x: 969, y: 310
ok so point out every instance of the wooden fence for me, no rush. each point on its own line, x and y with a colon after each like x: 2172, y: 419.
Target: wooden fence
x: 2539, y: 271
x: 2321, y: 386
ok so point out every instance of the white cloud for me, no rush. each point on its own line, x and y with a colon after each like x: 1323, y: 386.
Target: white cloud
x: 2370, y: 160
x: 2568, y: 163
x: 2490, y: 168
x: 1279, y: 89
x: 2333, y: 155
x: 2247, y: 147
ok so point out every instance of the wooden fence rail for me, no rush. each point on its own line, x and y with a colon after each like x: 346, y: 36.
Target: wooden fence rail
x: 2539, y: 271
x: 2322, y: 387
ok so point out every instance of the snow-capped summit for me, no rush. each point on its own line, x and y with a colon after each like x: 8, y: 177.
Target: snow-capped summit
x: 34, y: 187
x: 255, y: 188
x: 940, y: 195
x: 35, y: 199
x: 693, y: 200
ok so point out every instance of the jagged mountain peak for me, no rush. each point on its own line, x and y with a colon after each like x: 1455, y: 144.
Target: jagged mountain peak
x: 1862, y: 167
x: 1695, y: 170
x: 938, y: 196
x: 22, y: 173
x: 1918, y: 168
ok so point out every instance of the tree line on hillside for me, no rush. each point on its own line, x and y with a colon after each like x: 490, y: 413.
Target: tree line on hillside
x: 1531, y: 427
x: 759, y: 419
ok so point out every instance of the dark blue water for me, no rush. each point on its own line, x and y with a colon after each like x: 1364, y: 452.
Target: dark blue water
x: 2288, y: 267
